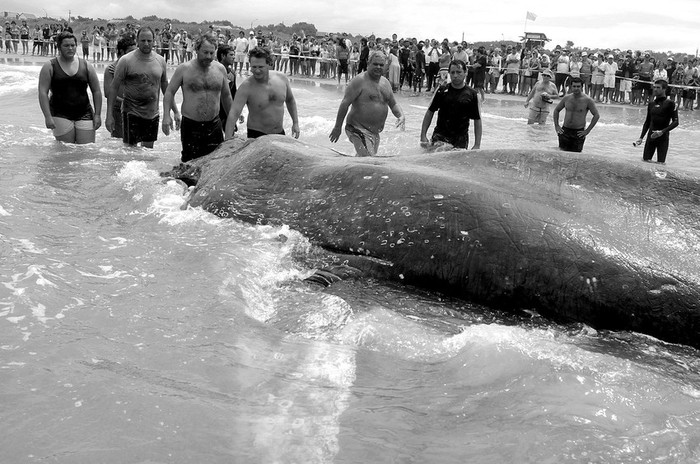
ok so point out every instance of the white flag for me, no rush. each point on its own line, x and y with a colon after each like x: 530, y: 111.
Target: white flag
x: 531, y: 16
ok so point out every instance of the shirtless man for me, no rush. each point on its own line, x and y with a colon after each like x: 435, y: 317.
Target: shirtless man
x: 204, y: 90
x: 541, y: 96
x: 265, y: 93
x: 142, y: 73
x: 573, y: 133
x: 369, y: 98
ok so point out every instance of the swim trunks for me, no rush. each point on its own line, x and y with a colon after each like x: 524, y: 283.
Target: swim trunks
x: 138, y: 129
x: 366, y: 143
x: 118, y: 131
x: 570, y: 141
x: 538, y: 115
x: 199, y: 138
x: 254, y: 134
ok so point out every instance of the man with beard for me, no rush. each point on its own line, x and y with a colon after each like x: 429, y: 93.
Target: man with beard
x: 142, y: 76
x: 265, y: 93
x: 369, y: 98
x: 205, y: 89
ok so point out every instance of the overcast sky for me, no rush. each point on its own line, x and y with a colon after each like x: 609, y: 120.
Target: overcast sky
x: 638, y: 25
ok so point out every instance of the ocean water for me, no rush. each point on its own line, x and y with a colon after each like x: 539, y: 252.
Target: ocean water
x: 134, y: 330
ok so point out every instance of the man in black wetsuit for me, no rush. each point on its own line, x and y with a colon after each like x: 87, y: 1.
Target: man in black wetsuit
x: 456, y: 103
x: 662, y: 118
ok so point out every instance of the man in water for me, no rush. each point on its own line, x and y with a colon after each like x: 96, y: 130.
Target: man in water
x: 265, y: 93
x: 204, y: 90
x: 662, y: 118
x: 66, y: 78
x: 456, y: 103
x: 142, y: 73
x: 369, y: 98
x: 541, y: 96
x: 226, y: 56
x: 573, y: 133
x: 124, y: 46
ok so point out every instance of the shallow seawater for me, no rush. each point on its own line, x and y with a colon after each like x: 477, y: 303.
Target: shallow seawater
x: 135, y: 330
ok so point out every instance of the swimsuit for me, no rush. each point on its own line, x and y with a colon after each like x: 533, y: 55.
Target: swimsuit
x: 69, y: 102
x: 254, y: 134
x: 570, y: 141
x: 137, y: 129
x: 199, y: 138
x: 366, y: 142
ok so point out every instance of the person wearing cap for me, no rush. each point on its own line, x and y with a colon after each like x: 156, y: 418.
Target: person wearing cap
x: 609, y: 71
x: 572, y: 134
x: 662, y: 118
x: 670, y: 69
x: 561, y: 64
x: 541, y: 97
x: 586, y: 72
x: 628, y: 69
x: 598, y: 77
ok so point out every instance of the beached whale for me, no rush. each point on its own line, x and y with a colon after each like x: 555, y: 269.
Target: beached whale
x: 578, y: 238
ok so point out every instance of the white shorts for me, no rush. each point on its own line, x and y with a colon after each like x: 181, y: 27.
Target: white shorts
x: 625, y: 85
x: 240, y: 57
x: 64, y: 126
x: 609, y: 82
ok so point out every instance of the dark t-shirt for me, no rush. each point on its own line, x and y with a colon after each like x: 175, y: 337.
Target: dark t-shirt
x: 456, y: 107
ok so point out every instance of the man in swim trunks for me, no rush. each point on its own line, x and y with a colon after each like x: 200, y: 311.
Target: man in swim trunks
x: 573, y: 133
x: 142, y: 73
x: 204, y: 90
x: 456, y: 103
x: 541, y: 97
x: 265, y: 93
x: 369, y: 98
x: 63, y: 98
x: 662, y: 118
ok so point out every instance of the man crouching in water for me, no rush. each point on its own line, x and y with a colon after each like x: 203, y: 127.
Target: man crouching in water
x: 370, y: 97
x: 204, y: 90
x: 265, y: 93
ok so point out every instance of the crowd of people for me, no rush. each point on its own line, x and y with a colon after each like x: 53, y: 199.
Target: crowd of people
x: 457, y: 76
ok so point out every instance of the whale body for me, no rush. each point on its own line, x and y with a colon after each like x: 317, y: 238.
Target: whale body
x: 615, y: 245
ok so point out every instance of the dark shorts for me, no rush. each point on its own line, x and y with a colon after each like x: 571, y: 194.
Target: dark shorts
x: 459, y: 141
x: 254, y: 134
x: 342, y: 66
x: 199, y: 138
x: 570, y: 141
x: 118, y: 131
x: 138, y: 129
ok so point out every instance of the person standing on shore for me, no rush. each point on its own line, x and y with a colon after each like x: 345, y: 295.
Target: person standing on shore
x: 205, y: 88
x: 369, y: 98
x: 662, y: 118
x: 143, y: 76
x: 573, y: 133
x: 63, y: 98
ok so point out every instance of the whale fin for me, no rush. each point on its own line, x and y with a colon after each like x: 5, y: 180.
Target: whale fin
x: 331, y: 274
